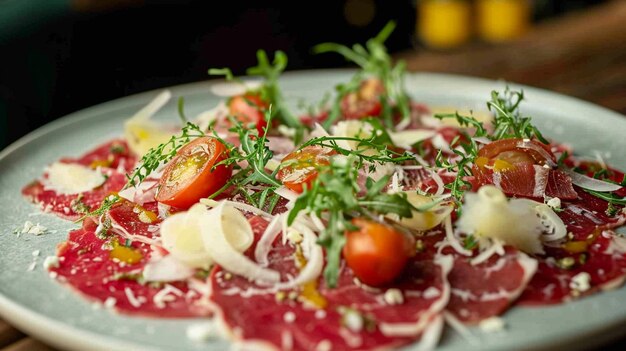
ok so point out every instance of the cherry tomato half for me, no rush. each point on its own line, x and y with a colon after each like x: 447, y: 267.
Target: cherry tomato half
x: 365, y: 102
x: 376, y: 252
x: 190, y: 176
x: 300, y: 167
x: 249, y: 108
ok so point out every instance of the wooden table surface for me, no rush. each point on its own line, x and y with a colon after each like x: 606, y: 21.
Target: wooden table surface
x: 582, y: 55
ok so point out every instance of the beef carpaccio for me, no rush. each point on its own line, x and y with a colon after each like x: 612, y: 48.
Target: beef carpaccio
x: 366, y: 224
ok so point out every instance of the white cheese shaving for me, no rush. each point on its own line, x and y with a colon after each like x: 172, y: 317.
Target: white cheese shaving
x: 393, y: 297
x: 289, y: 317
x: 51, y: 262
x: 488, y: 214
x: 353, y: 320
x: 166, y: 269
x: 407, y: 138
x: 202, y: 332
x: 31, y: 228
x: 141, y: 133
x: 70, y: 178
x: 492, y: 325
x: 581, y: 282
x: 110, y: 302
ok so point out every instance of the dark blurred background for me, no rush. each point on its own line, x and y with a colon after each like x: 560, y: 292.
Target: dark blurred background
x: 59, y: 56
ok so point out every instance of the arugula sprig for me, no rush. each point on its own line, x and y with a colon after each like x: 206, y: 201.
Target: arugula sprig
x: 374, y: 61
x: 508, y: 121
x: 270, y: 90
x: 336, y: 196
x: 255, y: 153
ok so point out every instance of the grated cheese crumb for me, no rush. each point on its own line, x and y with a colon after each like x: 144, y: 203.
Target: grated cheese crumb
x: 580, y: 282
x: 353, y: 321
x: 393, y: 297
x: 201, y: 332
x: 36, y: 253
x: 110, y: 302
x: 51, y: 262
x: 491, y: 325
x: 31, y: 228
x: 554, y: 203
x: 289, y: 317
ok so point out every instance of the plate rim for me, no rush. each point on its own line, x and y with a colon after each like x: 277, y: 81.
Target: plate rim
x: 68, y: 336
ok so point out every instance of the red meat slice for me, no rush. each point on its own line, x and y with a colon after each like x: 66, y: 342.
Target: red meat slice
x: 257, y: 318
x: 484, y: 290
x: 529, y: 180
x: 112, y: 154
x: 488, y: 289
x: 63, y: 205
x: 605, y: 263
x: 85, y: 265
x: 113, y: 157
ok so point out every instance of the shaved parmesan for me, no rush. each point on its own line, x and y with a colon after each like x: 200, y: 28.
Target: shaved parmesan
x: 141, y: 133
x: 407, y: 138
x: 69, y: 178
x: 522, y: 223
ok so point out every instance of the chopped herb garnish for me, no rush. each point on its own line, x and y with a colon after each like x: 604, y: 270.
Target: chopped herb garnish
x: 470, y: 242
x: 105, y: 206
x: 117, y: 148
x: 78, y: 206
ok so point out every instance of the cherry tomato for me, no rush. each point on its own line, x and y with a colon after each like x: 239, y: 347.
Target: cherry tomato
x: 300, y: 167
x: 365, y: 102
x: 249, y: 108
x: 190, y: 176
x: 376, y: 252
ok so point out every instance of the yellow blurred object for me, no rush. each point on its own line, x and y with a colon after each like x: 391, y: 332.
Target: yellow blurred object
x: 502, y: 20
x: 444, y: 23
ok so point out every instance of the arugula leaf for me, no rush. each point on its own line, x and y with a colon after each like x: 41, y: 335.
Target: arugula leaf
x: 374, y: 61
x: 336, y: 196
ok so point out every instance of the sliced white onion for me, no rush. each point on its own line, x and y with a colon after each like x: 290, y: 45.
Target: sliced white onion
x: 487, y: 253
x: 590, y: 183
x: 315, y: 260
x: 440, y: 186
x: 527, y: 144
x: 452, y: 239
x: 182, y: 237
x: 553, y: 224
x: 166, y: 269
x: 237, y: 205
x: 223, y: 222
x: 264, y: 245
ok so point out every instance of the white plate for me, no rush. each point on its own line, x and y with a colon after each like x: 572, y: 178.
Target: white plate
x: 51, y: 312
